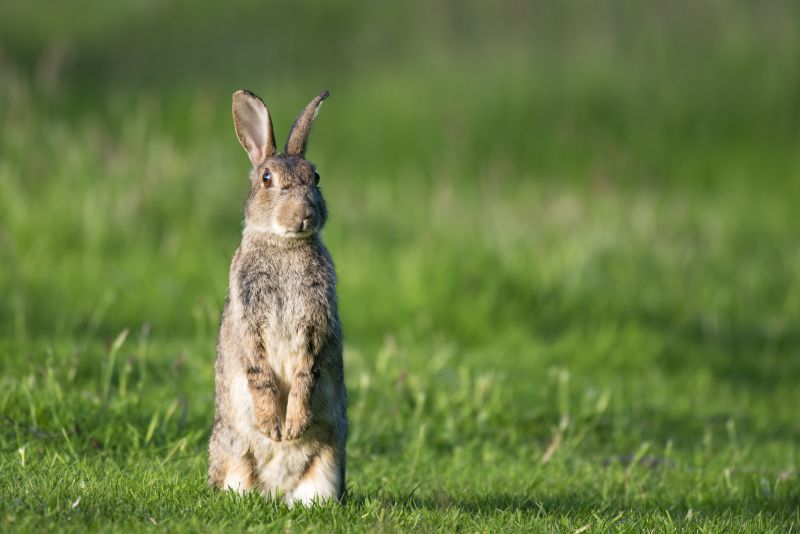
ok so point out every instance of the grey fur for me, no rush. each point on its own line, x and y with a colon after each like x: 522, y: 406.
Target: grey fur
x: 281, y: 422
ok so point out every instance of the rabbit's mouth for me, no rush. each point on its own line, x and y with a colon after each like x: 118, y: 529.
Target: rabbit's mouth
x: 297, y: 230
x: 300, y: 231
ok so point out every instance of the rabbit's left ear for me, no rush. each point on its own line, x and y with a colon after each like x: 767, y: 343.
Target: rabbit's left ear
x: 253, y: 126
x: 298, y: 136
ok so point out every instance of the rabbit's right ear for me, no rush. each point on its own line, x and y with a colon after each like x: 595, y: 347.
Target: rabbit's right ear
x: 253, y: 126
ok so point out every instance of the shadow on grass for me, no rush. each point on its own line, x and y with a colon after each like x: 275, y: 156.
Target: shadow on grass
x: 574, y: 505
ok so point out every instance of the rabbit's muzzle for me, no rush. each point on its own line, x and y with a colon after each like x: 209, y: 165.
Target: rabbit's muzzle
x: 298, y: 218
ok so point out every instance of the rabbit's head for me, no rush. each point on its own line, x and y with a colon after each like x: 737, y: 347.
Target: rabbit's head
x: 285, y: 199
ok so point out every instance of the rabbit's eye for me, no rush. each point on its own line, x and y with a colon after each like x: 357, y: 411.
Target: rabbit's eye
x: 267, y: 178
x: 316, y: 177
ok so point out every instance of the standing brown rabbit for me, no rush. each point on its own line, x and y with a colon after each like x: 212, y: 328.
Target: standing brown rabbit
x: 281, y: 421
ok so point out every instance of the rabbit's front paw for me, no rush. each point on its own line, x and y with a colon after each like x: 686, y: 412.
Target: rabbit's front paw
x: 270, y: 426
x: 297, y: 422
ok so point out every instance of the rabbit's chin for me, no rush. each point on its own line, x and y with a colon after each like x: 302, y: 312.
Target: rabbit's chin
x: 279, y: 231
x: 296, y: 235
x: 282, y: 231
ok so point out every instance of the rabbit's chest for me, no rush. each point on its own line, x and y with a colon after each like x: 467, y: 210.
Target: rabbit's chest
x: 288, y: 313
x: 284, y: 330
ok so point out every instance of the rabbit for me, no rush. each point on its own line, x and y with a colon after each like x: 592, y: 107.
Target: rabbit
x: 280, y: 405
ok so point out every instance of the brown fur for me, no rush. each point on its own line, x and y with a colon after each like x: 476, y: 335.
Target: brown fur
x: 280, y: 394
x: 298, y: 136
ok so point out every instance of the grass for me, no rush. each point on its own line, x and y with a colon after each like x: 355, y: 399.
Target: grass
x: 570, y: 286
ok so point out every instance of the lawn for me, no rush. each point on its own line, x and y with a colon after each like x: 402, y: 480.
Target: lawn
x: 569, y: 278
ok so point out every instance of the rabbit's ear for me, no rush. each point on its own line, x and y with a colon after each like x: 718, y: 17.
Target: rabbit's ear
x: 253, y: 126
x: 298, y: 136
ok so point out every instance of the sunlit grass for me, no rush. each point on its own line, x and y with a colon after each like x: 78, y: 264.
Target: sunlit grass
x: 570, y: 290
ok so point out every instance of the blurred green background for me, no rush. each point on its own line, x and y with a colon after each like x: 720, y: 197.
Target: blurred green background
x: 566, y: 236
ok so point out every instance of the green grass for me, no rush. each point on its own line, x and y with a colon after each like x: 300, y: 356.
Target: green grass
x: 569, y: 278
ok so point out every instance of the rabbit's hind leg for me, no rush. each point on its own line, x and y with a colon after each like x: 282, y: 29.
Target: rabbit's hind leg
x: 239, y: 476
x: 322, y: 480
x: 229, y: 468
